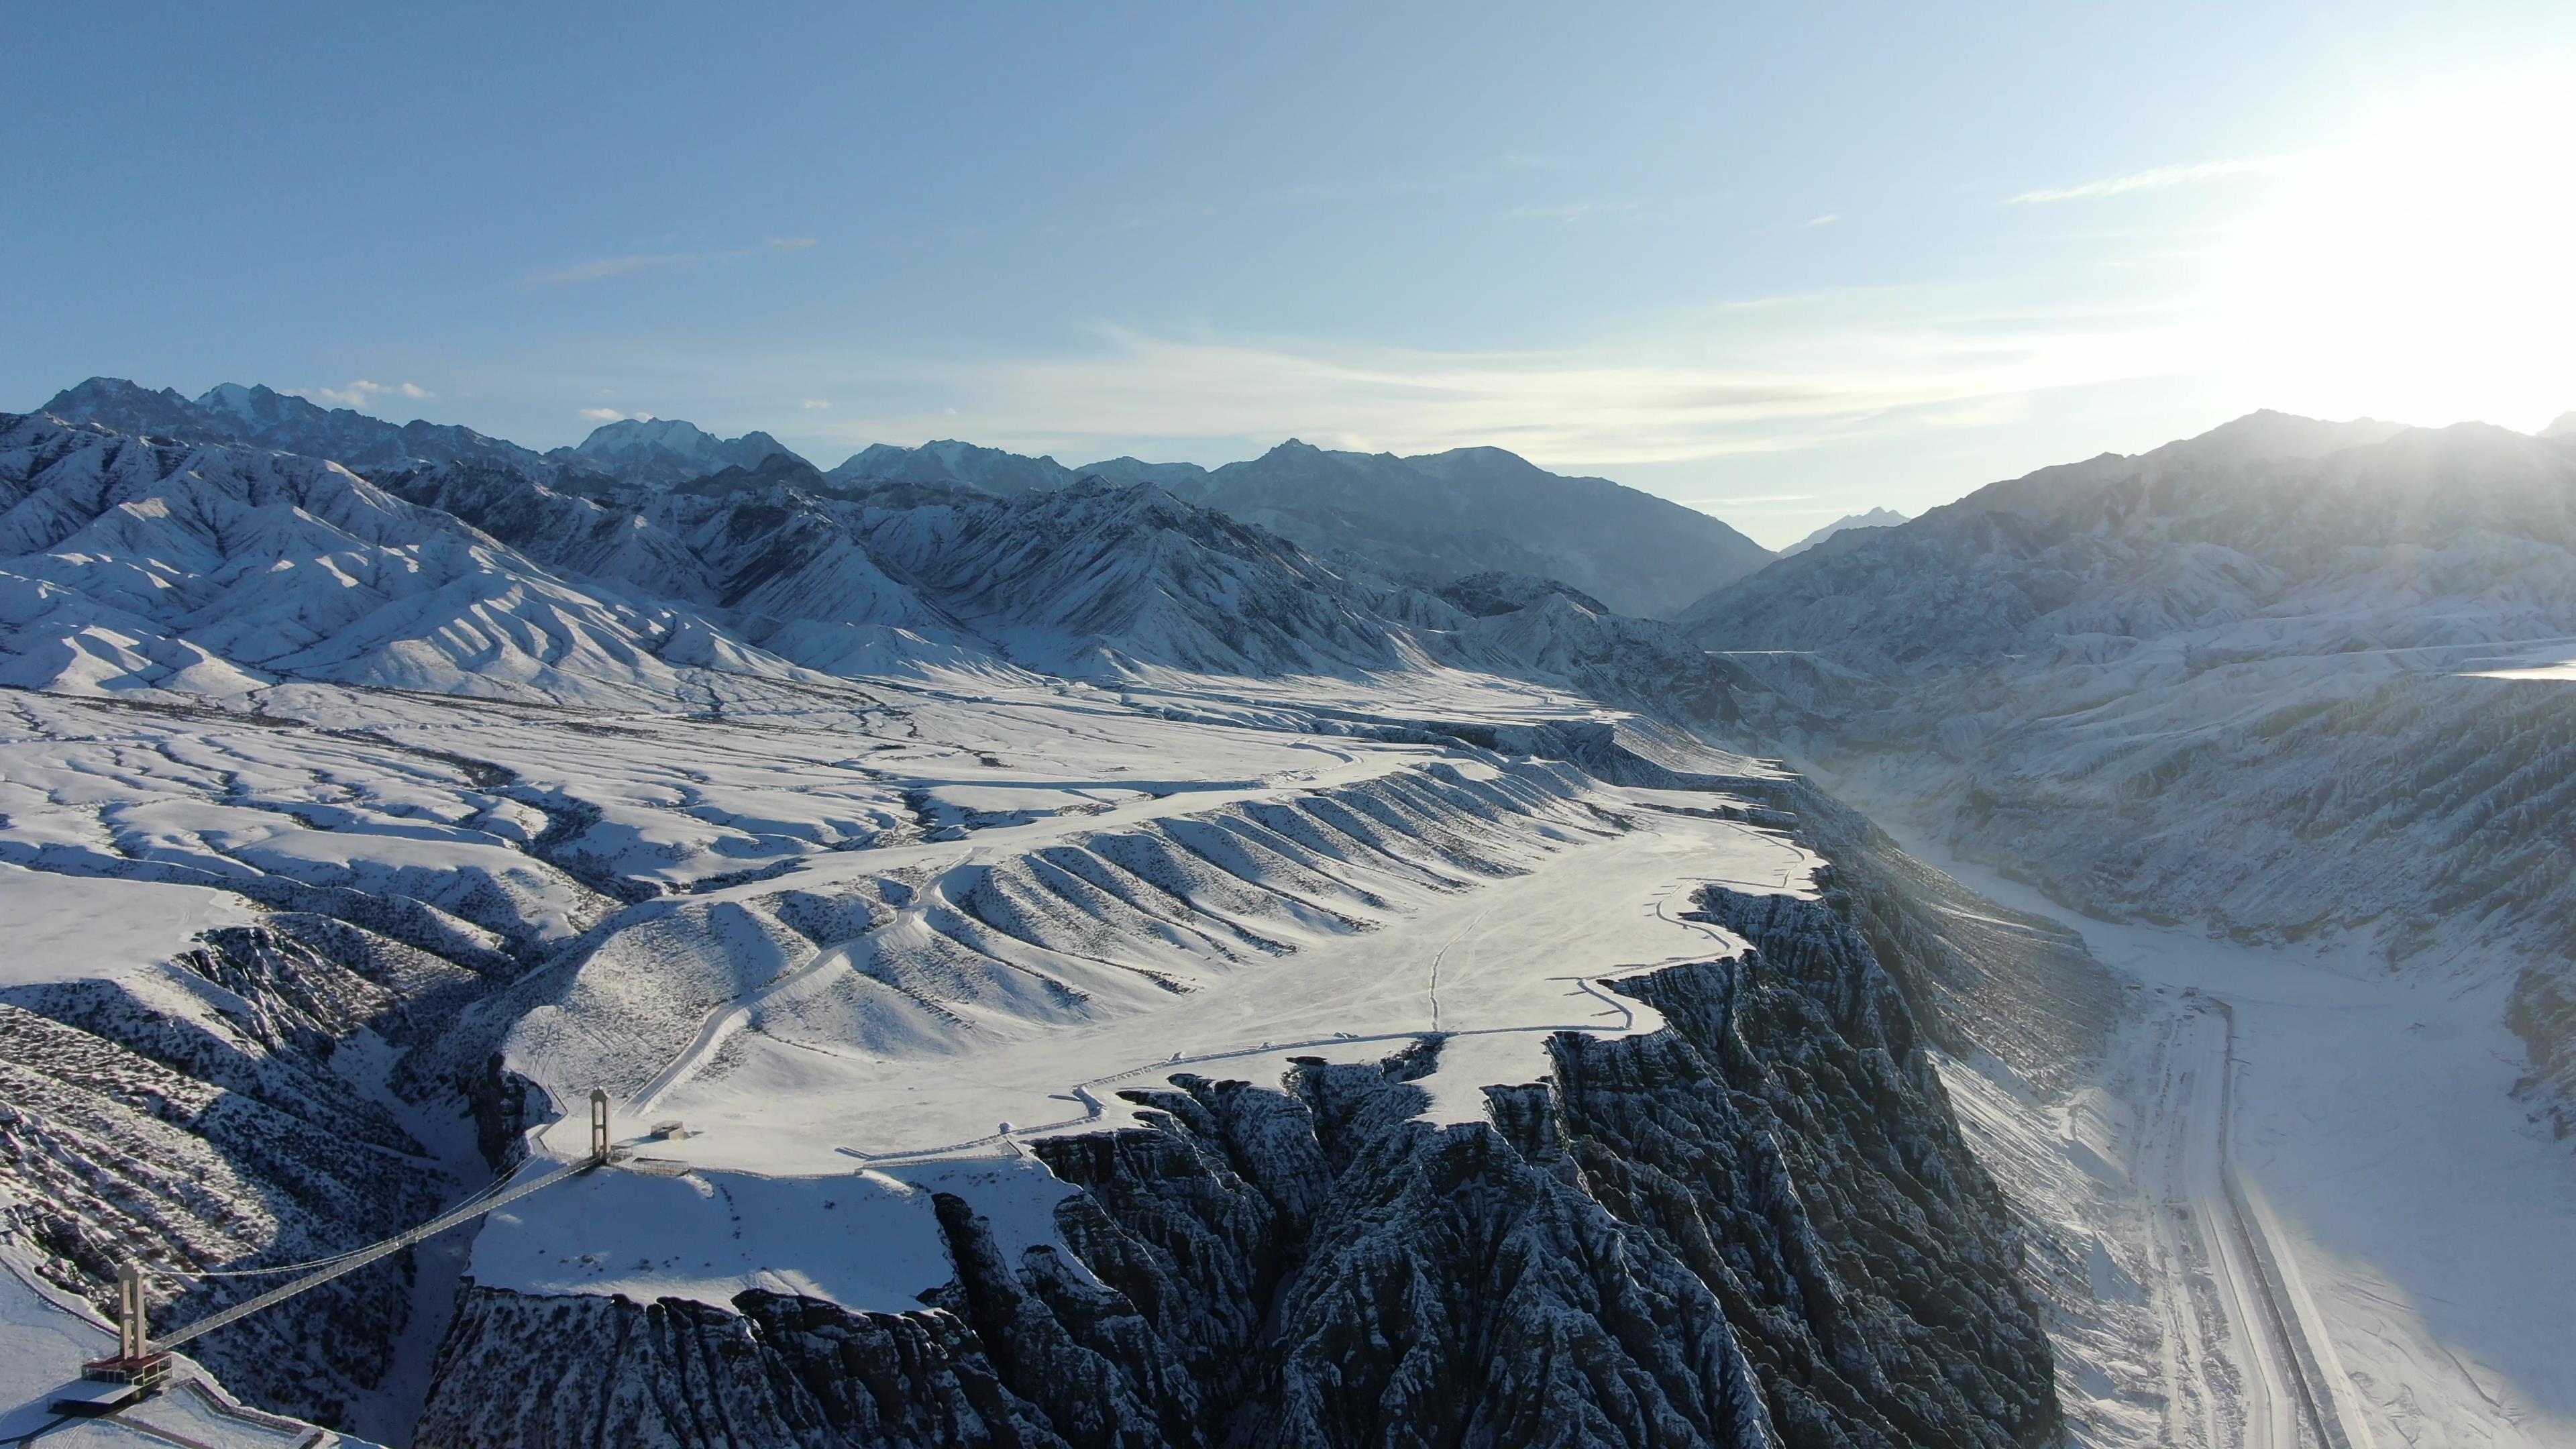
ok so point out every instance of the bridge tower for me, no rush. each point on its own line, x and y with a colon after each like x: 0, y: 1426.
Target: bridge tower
x: 599, y: 1124
x: 132, y: 1339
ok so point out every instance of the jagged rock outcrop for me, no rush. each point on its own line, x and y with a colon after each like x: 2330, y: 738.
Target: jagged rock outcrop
x: 217, y: 1138
x: 1758, y: 1226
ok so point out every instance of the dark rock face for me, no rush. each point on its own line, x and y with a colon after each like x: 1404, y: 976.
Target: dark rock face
x: 223, y: 1142
x: 1757, y: 1227
x: 781, y: 1371
x: 1484, y: 595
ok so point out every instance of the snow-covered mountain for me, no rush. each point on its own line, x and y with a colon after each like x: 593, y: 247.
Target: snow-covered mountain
x: 1172, y: 477
x: 1874, y: 518
x: 218, y: 569
x: 659, y: 452
x: 232, y: 413
x: 1427, y: 519
x: 2250, y: 679
x: 2401, y: 534
x: 1443, y: 516
x: 1320, y: 935
x: 131, y: 564
x: 1096, y: 945
x: 956, y: 464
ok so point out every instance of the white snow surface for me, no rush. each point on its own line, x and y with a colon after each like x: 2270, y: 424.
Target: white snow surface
x: 1075, y: 929
x: 2423, y: 1227
x: 66, y: 928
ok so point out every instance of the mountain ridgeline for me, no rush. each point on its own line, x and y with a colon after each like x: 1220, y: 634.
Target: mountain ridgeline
x: 1422, y: 521
x: 677, y: 764
x: 466, y: 775
x: 2294, y: 681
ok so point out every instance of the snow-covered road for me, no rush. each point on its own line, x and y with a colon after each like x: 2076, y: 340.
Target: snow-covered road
x: 2238, y: 1348
x: 2400, y: 1249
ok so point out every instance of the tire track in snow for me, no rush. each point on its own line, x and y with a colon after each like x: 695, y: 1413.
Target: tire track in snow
x: 2284, y: 1399
x: 1433, y: 986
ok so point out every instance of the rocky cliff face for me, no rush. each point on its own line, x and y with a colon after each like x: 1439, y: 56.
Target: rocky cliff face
x: 1757, y: 1227
x: 220, y: 1139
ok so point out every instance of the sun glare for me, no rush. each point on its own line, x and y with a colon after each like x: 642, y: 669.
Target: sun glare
x: 2425, y: 271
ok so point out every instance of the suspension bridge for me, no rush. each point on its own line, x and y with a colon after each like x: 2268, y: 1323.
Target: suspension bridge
x: 142, y: 1363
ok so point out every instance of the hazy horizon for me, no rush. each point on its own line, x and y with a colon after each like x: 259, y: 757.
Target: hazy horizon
x: 1763, y: 526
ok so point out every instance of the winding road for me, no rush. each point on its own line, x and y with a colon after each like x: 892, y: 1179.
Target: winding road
x: 2241, y: 1361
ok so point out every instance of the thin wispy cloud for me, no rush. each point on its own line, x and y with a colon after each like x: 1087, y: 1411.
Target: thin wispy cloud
x: 1805, y: 374
x: 2152, y: 179
x: 600, y: 269
x: 612, y: 415
x: 1828, y: 219
x: 361, y: 392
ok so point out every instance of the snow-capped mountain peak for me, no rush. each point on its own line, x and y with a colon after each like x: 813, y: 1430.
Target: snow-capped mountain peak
x: 661, y: 452
x: 114, y: 403
x: 1874, y: 518
x: 1444, y: 516
x: 953, y: 463
x: 264, y: 417
x: 1176, y: 477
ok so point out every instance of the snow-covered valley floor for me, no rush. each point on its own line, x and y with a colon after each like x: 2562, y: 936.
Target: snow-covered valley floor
x: 2400, y: 1221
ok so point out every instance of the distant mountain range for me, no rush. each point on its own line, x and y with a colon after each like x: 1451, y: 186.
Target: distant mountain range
x: 231, y: 413
x: 675, y: 763
x: 661, y: 452
x: 1875, y: 518
x: 1443, y: 516
x: 1423, y: 520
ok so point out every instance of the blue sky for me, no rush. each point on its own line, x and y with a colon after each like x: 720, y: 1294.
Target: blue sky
x: 1778, y: 262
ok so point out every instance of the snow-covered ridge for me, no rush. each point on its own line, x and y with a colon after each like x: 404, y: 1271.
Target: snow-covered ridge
x: 1874, y: 518
x: 232, y: 413
x: 1442, y: 516
x: 135, y: 564
x: 2275, y: 680
x: 660, y: 452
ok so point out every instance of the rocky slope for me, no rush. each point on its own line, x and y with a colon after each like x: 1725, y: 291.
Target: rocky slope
x: 1756, y: 1227
x: 502, y: 780
x: 232, y: 413
x: 2241, y: 680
